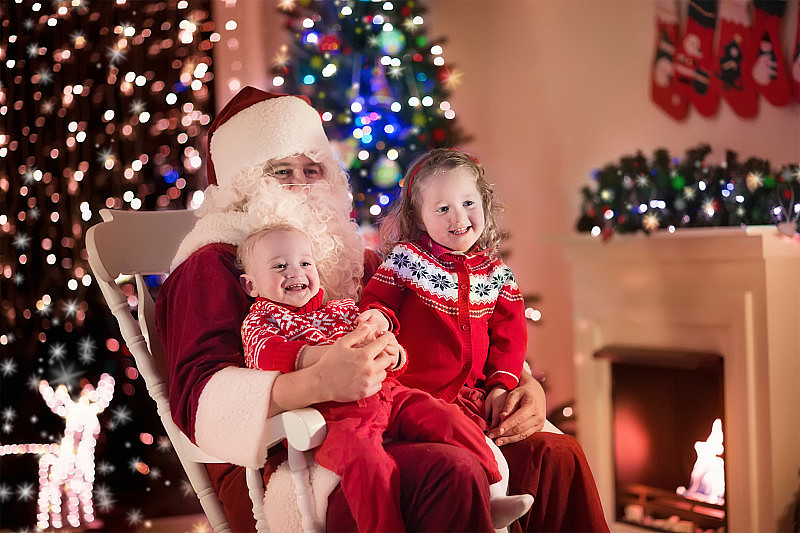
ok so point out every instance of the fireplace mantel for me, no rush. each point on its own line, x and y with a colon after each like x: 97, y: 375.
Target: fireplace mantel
x: 733, y: 291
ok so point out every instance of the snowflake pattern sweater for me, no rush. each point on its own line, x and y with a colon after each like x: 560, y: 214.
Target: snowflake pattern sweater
x: 273, y: 334
x: 462, y: 317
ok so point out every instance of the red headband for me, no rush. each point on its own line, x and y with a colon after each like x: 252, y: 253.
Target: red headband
x: 414, y: 172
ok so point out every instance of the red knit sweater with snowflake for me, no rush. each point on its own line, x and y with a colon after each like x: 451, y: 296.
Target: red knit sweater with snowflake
x: 273, y: 334
x: 462, y: 319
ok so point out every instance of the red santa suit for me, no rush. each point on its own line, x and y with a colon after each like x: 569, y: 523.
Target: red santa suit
x: 273, y: 336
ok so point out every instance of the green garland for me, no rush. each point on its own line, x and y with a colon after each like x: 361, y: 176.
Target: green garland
x: 637, y: 195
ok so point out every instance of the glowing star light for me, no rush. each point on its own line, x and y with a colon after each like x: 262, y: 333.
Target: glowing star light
x: 754, y: 181
x: 650, y: 222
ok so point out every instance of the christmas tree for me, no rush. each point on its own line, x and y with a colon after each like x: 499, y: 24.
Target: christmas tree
x: 103, y: 105
x: 380, y: 83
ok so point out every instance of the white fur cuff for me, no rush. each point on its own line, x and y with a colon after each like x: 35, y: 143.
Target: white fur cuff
x: 231, y: 419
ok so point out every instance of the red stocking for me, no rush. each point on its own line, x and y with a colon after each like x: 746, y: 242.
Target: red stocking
x: 769, y: 70
x: 694, y: 60
x: 795, y: 68
x: 733, y: 61
x: 663, y: 85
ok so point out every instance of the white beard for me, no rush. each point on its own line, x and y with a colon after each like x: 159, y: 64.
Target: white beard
x: 321, y: 210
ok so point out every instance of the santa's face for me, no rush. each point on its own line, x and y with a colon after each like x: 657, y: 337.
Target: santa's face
x: 282, y: 269
x: 296, y: 170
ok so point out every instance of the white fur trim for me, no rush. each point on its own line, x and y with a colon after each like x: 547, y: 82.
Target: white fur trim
x: 270, y: 129
x: 230, y: 228
x: 231, y: 419
x: 734, y: 11
x: 281, y: 502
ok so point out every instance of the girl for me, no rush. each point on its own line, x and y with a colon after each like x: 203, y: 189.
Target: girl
x: 460, y: 311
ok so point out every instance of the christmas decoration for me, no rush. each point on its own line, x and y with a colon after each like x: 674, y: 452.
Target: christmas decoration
x: 380, y: 84
x: 769, y: 68
x: 102, y: 106
x: 663, y: 83
x: 694, y: 59
x: 665, y: 193
x: 67, y: 469
x: 734, y: 58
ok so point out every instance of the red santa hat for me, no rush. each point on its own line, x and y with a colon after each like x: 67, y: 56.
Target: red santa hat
x: 257, y: 126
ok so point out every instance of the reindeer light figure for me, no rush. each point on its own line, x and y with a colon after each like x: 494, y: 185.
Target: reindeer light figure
x: 68, y: 468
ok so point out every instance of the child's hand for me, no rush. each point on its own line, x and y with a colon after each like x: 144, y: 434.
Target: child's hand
x: 375, y: 321
x: 495, y: 402
x: 392, y: 351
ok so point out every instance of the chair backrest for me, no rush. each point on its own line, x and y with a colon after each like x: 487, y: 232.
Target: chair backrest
x: 138, y: 243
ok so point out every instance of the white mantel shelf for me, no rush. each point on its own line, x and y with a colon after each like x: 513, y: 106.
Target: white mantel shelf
x: 733, y: 291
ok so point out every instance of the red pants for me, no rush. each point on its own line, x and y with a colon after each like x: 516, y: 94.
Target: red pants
x: 353, y: 447
x: 551, y: 467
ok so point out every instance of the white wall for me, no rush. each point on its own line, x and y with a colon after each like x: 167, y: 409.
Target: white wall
x: 551, y: 89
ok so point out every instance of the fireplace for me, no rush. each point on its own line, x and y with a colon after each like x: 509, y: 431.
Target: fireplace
x: 727, y: 293
x: 664, y: 405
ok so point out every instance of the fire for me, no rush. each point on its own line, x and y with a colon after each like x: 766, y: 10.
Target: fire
x: 708, y: 475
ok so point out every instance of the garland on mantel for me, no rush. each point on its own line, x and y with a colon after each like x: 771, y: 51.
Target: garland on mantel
x: 667, y: 193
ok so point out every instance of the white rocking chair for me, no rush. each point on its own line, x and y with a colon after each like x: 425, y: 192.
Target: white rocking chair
x: 137, y: 243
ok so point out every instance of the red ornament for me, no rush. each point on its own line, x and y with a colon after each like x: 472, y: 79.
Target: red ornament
x: 439, y: 135
x: 330, y: 43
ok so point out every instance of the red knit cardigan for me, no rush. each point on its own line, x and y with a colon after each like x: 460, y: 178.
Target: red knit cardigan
x: 462, y: 319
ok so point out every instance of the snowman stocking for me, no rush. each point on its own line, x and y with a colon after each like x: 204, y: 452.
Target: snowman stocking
x: 734, y: 60
x: 694, y: 60
x: 795, y: 68
x: 663, y: 85
x: 769, y: 71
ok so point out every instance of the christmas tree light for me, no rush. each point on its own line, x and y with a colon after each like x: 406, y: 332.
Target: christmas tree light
x: 103, y: 105
x: 380, y: 84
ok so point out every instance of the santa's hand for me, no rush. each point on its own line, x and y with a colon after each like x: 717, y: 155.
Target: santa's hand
x: 351, y: 368
x: 523, y: 413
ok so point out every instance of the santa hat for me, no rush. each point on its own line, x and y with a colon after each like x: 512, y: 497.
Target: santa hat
x: 257, y: 126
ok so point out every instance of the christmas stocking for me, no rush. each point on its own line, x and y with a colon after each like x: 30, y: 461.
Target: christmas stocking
x: 796, y: 61
x: 769, y: 71
x: 733, y: 62
x: 663, y: 85
x: 694, y: 60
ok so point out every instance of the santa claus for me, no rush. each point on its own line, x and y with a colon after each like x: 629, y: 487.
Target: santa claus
x: 270, y: 161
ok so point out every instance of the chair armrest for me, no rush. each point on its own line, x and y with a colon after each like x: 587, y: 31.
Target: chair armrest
x: 303, y: 428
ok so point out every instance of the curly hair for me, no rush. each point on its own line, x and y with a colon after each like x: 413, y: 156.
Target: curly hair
x: 403, y: 222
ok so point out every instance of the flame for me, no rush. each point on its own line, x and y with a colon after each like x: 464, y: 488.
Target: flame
x: 708, y: 475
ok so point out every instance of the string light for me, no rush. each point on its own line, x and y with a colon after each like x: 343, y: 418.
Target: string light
x: 94, y: 129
